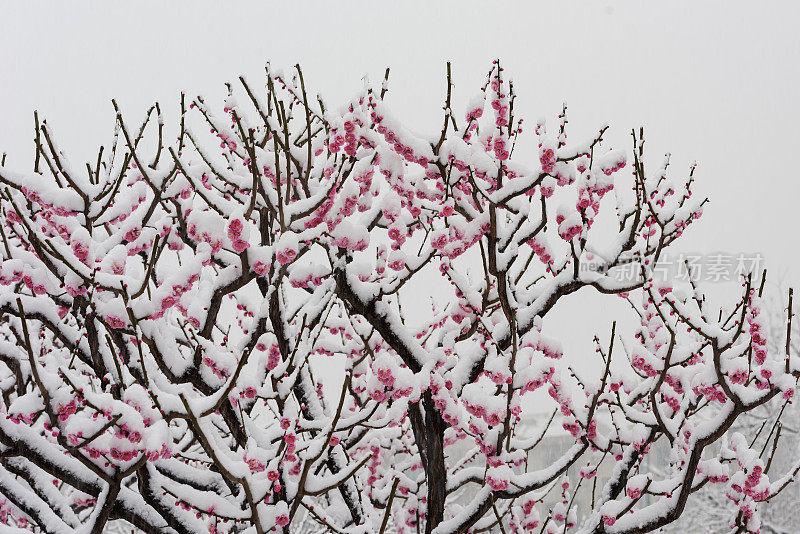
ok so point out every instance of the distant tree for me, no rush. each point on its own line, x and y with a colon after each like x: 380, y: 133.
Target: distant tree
x: 173, y: 315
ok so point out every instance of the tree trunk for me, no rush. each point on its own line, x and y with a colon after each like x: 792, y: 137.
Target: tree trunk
x: 435, y: 468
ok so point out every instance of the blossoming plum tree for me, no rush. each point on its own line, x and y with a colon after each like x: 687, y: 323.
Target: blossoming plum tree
x: 172, y: 314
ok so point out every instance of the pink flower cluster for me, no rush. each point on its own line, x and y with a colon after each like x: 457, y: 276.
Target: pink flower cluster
x: 492, y: 417
x: 547, y: 157
x: 173, y: 298
x: 616, y: 164
x: 542, y: 250
x: 36, y: 289
x: 235, y: 227
x: 273, y: 354
x: 115, y: 322
x: 305, y: 280
x: 219, y: 372
x: 348, y: 140
x: 255, y: 465
x: 81, y: 251
x: 497, y: 484
x: 500, y: 149
x: 395, y: 142
x: 712, y: 392
x: 203, y: 237
x: 571, y: 229
x: 345, y: 241
x: 500, y: 100
x: 640, y: 363
x: 756, y: 329
x: 286, y: 255
x: 66, y: 410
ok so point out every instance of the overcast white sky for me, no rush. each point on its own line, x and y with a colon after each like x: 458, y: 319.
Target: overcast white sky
x: 715, y: 82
